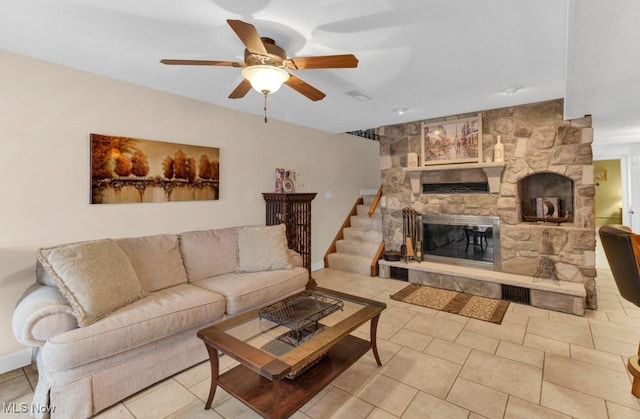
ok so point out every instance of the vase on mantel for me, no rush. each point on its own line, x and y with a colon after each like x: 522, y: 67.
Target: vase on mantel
x: 498, y: 150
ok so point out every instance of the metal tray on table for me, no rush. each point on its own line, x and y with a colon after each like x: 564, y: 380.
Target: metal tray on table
x: 301, y: 314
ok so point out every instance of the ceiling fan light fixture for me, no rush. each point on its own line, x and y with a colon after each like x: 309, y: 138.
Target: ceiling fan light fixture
x: 265, y: 79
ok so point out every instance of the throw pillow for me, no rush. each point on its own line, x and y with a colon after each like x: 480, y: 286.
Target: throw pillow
x: 96, y: 278
x: 43, y: 277
x: 156, y: 260
x: 262, y: 248
x: 209, y: 253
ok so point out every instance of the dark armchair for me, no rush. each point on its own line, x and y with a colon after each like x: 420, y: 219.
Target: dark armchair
x: 622, y: 248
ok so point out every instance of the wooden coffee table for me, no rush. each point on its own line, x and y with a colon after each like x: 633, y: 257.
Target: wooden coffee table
x: 260, y: 380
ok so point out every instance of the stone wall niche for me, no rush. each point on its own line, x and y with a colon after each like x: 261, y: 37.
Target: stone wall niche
x: 546, y: 197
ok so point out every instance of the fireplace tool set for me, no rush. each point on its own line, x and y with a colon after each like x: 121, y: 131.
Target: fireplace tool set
x: 411, y: 232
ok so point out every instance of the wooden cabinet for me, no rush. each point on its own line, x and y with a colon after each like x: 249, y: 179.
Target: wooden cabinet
x: 294, y: 210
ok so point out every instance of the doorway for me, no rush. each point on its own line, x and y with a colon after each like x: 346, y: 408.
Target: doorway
x: 608, y: 199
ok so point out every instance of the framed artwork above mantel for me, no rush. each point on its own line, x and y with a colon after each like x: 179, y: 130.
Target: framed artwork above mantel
x: 453, y: 141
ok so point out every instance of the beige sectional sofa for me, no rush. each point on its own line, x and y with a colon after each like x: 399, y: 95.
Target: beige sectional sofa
x: 110, y: 317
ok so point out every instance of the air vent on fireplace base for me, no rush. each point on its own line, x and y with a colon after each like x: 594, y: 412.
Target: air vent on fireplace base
x: 455, y: 188
x: 401, y: 274
x: 516, y: 294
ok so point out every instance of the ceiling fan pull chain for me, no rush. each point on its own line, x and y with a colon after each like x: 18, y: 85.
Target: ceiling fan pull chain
x: 265, y: 105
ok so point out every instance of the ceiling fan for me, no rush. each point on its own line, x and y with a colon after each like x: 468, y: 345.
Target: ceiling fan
x: 265, y: 64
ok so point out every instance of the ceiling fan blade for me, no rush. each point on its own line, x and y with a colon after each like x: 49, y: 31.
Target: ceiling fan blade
x: 325, y: 61
x: 248, y: 35
x: 203, y: 62
x: 241, y: 90
x: 304, y: 88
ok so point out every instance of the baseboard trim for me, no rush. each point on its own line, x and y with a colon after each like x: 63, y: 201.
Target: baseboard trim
x: 365, y: 192
x: 13, y: 361
x: 317, y: 266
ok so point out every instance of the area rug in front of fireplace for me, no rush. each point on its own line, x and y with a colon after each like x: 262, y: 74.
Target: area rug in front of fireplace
x: 476, y: 307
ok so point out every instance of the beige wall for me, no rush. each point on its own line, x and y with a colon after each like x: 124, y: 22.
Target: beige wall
x: 46, y: 114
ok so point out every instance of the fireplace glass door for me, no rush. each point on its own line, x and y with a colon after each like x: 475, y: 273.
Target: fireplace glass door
x: 460, y: 240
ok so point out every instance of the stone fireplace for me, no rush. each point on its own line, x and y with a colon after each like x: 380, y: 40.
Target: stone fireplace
x: 544, y: 188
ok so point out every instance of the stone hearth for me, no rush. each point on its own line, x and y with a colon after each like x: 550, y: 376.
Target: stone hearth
x: 536, y: 140
x: 567, y: 297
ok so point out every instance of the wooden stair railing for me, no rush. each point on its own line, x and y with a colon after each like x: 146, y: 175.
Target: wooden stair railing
x: 376, y: 201
x: 376, y: 258
x: 378, y: 255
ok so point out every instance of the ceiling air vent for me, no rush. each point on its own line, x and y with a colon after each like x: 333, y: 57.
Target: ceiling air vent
x: 358, y: 96
x: 455, y: 188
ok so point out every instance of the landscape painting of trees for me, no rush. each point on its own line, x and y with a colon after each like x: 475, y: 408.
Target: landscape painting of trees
x: 125, y: 170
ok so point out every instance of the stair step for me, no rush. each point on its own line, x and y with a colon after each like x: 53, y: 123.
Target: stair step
x: 361, y: 240
x: 366, y: 223
x: 350, y: 263
x: 368, y: 199
x: 369, y: 236
x: 363, y: 211
x: 368, y: 250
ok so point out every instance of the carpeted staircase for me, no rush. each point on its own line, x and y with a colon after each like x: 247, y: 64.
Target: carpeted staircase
x: 360, y: 242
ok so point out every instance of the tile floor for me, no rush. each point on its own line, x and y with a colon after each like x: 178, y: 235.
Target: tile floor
x: 536, y: 364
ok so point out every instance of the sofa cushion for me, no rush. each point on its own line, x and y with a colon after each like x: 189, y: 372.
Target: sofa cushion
x: 295, y: 258
x: 262, y: 248
x: 162, y: 314
x: 156, y: 260
x: 244, y: 291
x: 95, y: 277
x: 209, y: 253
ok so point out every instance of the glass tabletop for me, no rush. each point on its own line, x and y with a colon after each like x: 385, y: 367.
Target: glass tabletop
x: 266, y: 331
x: 301, y: 343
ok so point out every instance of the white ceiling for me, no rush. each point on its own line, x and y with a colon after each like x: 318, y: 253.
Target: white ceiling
x: 433, y: 57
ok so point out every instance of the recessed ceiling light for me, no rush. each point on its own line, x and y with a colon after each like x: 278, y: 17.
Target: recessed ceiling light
x: 512, y: 90
x: 400, y: 111
x: 358, y: 96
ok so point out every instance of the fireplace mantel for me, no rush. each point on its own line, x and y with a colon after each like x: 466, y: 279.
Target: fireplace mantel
x: 493, y: 171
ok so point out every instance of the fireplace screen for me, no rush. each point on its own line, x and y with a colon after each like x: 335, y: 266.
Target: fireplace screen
x: 462, y: 240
